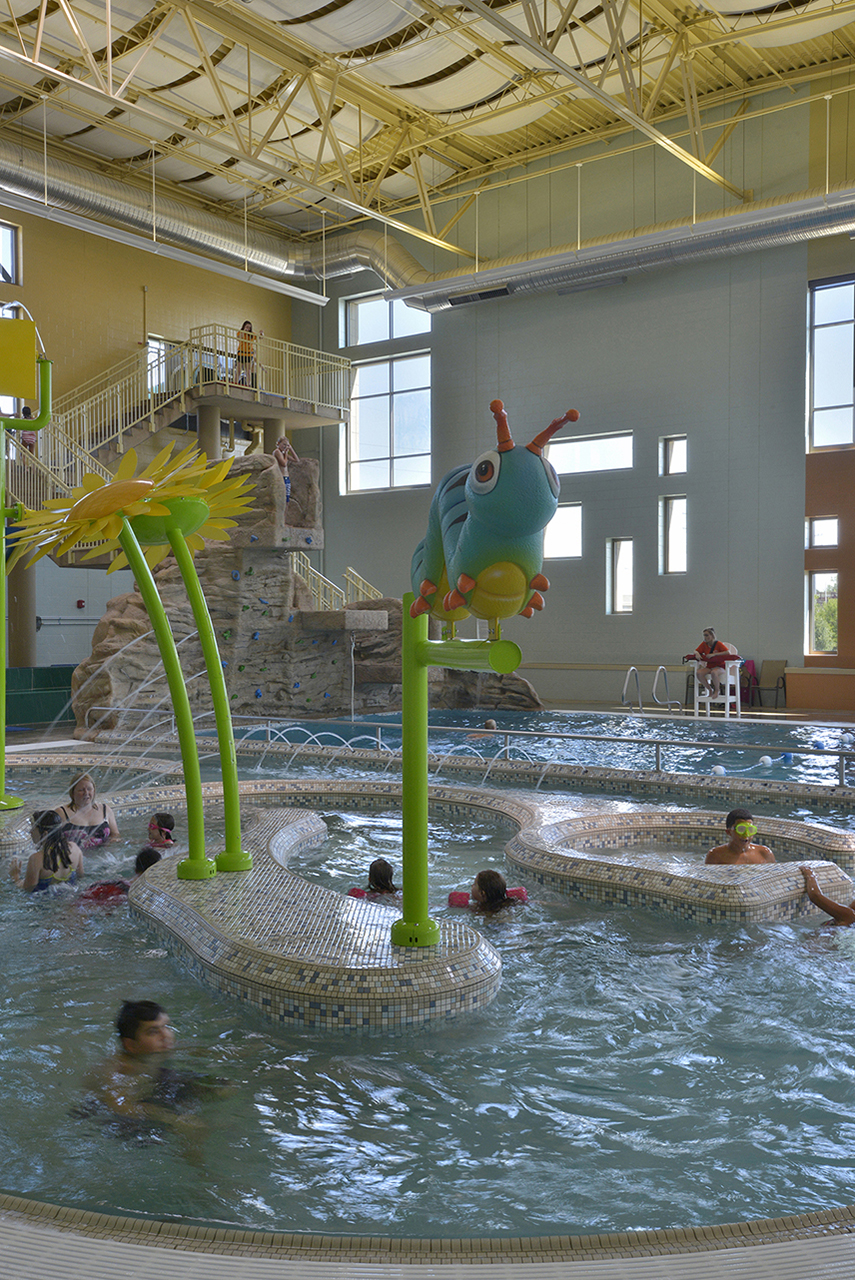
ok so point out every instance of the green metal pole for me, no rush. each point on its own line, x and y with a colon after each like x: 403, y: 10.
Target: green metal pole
x: 233, y: 858
x: 415, y: 928
x: 29, y: 424
x: 196, y: 866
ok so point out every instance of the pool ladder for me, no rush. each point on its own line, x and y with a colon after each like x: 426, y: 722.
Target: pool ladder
x: 660, y: 702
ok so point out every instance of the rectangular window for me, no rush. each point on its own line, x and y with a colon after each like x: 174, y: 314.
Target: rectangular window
x: 673, y: 535
x: 562, y: 539
x: 591, y: 453
x: 821, y: 613
x: 388, y: 440
x: 9, y: 256
x: 673, y: 455
x: 831, y: 372
x: 619, y: 575
x: 821, y: 532
x: 376, y: 319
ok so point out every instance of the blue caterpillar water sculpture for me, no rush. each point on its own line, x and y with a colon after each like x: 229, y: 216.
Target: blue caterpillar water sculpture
x: 483, y: 550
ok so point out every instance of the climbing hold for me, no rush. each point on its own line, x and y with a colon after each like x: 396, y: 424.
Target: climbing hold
x: 253, y: 537
x: 296, y: 684
x: 227, y: 635
x: 249, y: 571
x: 308, y: 541
x: 241, y: 668
x: 260, y: 601
x: 258, y: 693
x: 290, y: 617
x: 223, y: 661
x: 256, y: 634
x: 235, y: 575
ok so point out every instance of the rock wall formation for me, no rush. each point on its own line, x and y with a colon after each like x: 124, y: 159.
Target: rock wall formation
x: 281, y: 656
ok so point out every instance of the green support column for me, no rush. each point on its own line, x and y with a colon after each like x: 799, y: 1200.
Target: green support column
x: 416, y: 929
x: 234, y: 858
x: 196, y: 866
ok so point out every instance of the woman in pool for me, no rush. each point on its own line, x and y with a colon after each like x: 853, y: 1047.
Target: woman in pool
x: 56, y: 860
x: 84, y: 822
x: 490, y: 891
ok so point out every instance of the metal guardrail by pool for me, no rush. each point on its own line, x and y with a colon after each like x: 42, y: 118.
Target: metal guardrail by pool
x: 275, y: 729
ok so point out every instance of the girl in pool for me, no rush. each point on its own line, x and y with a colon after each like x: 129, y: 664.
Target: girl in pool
x: 490, y: 891
x: 380, y: 879
x: 84, y: 822
x: 57, y: 860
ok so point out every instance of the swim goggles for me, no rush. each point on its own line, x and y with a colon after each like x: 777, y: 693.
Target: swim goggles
x: 745, y: 829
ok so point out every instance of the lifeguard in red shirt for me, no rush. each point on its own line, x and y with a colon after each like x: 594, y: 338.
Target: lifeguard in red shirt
x: 711, y: 674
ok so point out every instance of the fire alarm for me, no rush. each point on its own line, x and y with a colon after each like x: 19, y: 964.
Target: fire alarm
x: 81, y: 604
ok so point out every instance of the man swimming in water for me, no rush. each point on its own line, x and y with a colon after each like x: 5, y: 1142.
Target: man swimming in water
x: 137, y: 1086
x: 739, y: 850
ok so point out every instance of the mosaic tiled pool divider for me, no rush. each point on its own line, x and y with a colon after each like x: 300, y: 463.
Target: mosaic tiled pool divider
x: 728, y: 791
x: 303, y: 955
x: 561, y: 856
x: 545, y: 854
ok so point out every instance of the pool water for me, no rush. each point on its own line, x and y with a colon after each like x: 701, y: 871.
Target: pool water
x: 633, y: 1072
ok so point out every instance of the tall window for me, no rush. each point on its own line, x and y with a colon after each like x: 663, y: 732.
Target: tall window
x: 386, y: 444
x: 619, y: 575
x: 831, y: 397
x: 388, y: 438
x: 562, y: 539
x: 673, y: 455
x: 9, y: 255
x: 673, y: 535
x: 591, y: 453
x: 821, y: 613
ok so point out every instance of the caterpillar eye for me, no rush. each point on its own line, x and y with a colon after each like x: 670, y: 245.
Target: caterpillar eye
x: 552, y: 477
x: 485, y: 472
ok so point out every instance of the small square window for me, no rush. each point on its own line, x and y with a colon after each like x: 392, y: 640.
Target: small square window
x: 673, y: 455
x: 821, y: 532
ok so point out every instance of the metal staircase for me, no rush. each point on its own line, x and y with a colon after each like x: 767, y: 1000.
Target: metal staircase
x: 92, y: 426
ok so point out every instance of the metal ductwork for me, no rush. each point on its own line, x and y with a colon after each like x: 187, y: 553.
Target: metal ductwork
x: 760, y: 225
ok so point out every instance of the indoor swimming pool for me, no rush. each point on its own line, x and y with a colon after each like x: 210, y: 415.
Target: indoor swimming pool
x: 634, y: 1072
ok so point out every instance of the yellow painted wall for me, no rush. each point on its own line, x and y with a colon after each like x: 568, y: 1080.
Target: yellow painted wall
x: 87, y: 297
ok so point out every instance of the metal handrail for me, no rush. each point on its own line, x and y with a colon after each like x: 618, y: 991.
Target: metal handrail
x: 624, y: 700
x: 131, y: 393
x: 356, y: 588
x: 326, y: 594
x: 669, y: 702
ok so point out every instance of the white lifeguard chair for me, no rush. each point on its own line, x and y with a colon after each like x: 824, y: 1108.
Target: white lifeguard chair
x: 730, y: 696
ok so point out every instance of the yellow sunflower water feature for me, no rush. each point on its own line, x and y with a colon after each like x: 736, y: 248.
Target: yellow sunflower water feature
x: 176, y: 503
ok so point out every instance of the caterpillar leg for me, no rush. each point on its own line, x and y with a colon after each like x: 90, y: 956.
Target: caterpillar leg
x: 539, y: 582
x: 455, y: 598
x: 423, y: 603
